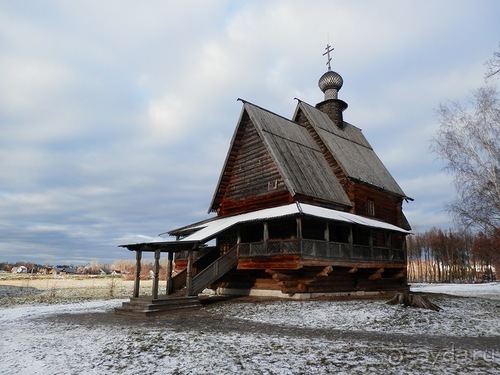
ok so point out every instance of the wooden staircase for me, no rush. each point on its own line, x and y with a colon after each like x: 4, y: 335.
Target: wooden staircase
x: 147, y: 306
x: 214, y: 271
x: 150, y: 307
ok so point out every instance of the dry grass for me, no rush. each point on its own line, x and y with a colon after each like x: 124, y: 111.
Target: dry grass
x: 30, y: 289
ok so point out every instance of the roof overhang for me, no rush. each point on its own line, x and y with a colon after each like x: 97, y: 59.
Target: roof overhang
x: 207, y: 230
x: 164, y: 246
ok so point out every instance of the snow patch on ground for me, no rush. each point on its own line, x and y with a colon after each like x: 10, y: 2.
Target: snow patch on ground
x: 484, y: 290
x: 36, y: 341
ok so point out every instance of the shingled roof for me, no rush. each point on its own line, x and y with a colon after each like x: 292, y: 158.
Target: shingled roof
x: 350, y: 149
x: 299, y: 160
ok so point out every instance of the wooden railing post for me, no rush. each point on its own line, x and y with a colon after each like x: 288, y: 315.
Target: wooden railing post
x: 137, y: 278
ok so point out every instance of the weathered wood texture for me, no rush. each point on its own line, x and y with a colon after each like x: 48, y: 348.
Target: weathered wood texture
x: 251, y: 179
x: 413, y: 300
x: 316, y: 280
x: 351, y: 150
x: 387, y: 206
x: 274, y: 262
x: 301, y: 118
x: 273, y: 161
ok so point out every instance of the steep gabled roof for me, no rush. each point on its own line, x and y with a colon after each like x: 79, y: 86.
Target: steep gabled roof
x: 297, y: 157
x: 351, y: 150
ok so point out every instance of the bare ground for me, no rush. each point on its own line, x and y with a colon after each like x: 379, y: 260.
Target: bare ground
x: 26, y: 289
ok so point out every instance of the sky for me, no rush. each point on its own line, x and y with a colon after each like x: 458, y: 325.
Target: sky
x: 116, y: 116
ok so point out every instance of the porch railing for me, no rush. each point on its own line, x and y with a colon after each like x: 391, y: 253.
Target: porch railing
x: 315, y: 249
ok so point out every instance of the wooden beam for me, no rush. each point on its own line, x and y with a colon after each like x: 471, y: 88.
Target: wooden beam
x: 400, y: 274
x: 377, y: 274
x: 276, y: 275
x: 351, y: 264
x: 325, y: 272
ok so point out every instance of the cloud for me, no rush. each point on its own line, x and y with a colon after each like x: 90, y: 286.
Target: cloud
x: 115, y: 118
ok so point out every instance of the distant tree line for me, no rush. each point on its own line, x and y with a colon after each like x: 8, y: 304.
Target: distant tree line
x: 92, y: 268
x: 453, y: 256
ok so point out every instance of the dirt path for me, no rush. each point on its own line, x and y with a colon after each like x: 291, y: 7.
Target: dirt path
x: 204, y: 320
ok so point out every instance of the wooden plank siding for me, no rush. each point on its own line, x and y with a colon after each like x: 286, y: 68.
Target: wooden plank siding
x: 387, y: 206
x: 254, y: 180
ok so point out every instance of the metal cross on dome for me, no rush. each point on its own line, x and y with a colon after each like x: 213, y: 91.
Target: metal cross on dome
x: 328, y: 49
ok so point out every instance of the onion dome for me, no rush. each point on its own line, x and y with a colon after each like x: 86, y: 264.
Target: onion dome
x: 330, y: 83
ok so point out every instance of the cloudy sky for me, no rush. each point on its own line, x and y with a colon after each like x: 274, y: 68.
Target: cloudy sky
x: 116, y: 116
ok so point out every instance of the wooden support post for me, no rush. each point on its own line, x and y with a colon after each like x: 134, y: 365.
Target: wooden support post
x: 156, y: 273
x: 387, y: 239
x: 266, y: 236
x: 299, y: 233
x: 370, y: 243
x: 238, y: 241
x: 137, y: 278
x: 189, y: 273
x: 351, y: 242
x: 403, y: 247
x: 169, y: 273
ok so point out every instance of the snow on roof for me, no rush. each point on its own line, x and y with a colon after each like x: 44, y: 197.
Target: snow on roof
x: 207, y: 230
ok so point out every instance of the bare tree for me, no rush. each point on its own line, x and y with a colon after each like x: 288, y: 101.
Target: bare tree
x: 469, y: 141
x: 493, y: 64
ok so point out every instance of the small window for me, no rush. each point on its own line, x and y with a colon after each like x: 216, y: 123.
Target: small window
x: 370, y: 207
x: 272, y: 185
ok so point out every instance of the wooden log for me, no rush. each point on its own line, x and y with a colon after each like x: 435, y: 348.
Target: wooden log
x: 302, y: 287
x: 400, y: 274
x: 376, y: 275
x: 325, y: 272
x: 290, y: 291
x: 288, y: 283
x: 281, y: 276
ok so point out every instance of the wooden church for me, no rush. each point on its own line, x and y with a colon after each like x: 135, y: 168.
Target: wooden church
x: 304, y: 208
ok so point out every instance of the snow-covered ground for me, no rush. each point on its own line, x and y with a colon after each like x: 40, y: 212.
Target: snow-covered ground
x: 264, y: 337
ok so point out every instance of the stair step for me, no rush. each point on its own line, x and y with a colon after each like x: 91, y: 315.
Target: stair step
x: 144, y: 306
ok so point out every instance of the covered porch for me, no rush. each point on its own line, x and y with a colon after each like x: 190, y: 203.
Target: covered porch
x: 158, y: 248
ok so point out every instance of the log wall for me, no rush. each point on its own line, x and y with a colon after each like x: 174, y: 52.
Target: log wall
x: 324, y: 279
x: 387, y: 206
x: 254, y: 182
